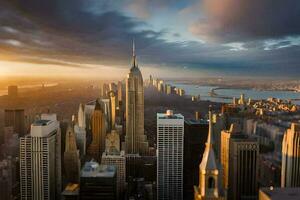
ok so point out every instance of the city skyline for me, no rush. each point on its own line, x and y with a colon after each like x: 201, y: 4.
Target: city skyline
x: 192, y: 38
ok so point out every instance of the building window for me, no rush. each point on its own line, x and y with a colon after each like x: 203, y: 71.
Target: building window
x: 211, y: 182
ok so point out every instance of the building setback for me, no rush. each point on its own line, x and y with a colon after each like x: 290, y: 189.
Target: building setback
x: 135, y: 139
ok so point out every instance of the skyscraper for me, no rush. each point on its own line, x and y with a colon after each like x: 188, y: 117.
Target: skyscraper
x: 71, y: 157
x: 290, y: 170
x: 120, y: 99
x: 81, y: 116
x: 170, y: 136
x: 40, y: 160
x: 80, y: 134
x: 135, y: 140
x: 225, y: 140
x: 195, y: 136
x: 16, y: 119
x: 113, y: 106
x: 243, y: 167
x: 209, y: 173
x: 98, y: 182
x: 116, y: 158
x: 97, y: 146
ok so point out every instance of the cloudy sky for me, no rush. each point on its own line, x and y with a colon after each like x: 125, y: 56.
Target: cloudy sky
x: 173, y: 37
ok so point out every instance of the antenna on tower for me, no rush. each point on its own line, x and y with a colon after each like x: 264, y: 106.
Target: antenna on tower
x: 133, y: 47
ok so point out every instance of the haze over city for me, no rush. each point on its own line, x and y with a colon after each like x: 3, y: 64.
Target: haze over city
x: 149, y: 100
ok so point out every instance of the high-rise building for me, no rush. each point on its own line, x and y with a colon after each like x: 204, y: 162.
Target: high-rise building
x: 120, y: 93
x: 105, y: 90
x: 40, y: 160
x: 98, y: 182
x: 106, y: 108
x: 243, y: 167
x: 225, y: 140
x: 71, y: 158
x: 80, y: 134
x: 113, y: 107
x: 195, y: 136
x: 290, y: 170
x: 112, y: 141
x: 135, y: 140
x: 116, y: 158
x: 81, y: 117
x: 16, y: 119
x: 209, y: 172
x: 97, y: 146
x: 170, y: 139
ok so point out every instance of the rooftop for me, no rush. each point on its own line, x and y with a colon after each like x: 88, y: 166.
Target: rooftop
x: 41, y: 122
x: 281, y: 193
x: 93, y: 169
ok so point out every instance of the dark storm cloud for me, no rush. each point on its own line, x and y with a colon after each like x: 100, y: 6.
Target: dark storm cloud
x: 65, y: 32
x: 231, y: 20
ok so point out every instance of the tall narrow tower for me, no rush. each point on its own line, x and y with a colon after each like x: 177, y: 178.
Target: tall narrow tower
x: 97, y: 146
x: 71, y: 157
x: 290, y: 170
x: 209, y: 174
x: 135, y: 140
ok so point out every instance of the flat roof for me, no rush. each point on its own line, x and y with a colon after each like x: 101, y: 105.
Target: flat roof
x: 165, y: 116
x: 42, y: 122
x: 93, y: 169
x: 278, y: 193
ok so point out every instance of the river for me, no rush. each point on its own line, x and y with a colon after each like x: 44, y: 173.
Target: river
x: 203, y: 91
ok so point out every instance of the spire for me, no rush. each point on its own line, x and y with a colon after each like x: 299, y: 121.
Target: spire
x: 210, y: 141
x: 134, y: 62
x: 209, y: 160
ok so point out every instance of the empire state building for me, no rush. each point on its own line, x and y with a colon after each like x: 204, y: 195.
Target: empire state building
x: 135, y: 140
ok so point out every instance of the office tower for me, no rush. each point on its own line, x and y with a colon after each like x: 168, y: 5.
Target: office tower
x: 80, y: 134
x: 98, y: 182
x: 195, y: 136
x: 209, y: 173
x: 16, y: 119
x: 113, y: 107
x: 97, y: 146
x: 243, y: 167
x: 113, y: 87
x: 12, y: 91
x: 71, y: 158
x: 116, y: 158
x: 278, y: 193
x: 81, y: 116
x: 135, y: 140
x: 105, y: 105
x: 105, y: 90
x: 290, y: 170
x: 170, y: 138
x: 225, y: 140
x: 40, y: 160
x: 112, y: 141
x: 120, y: 93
